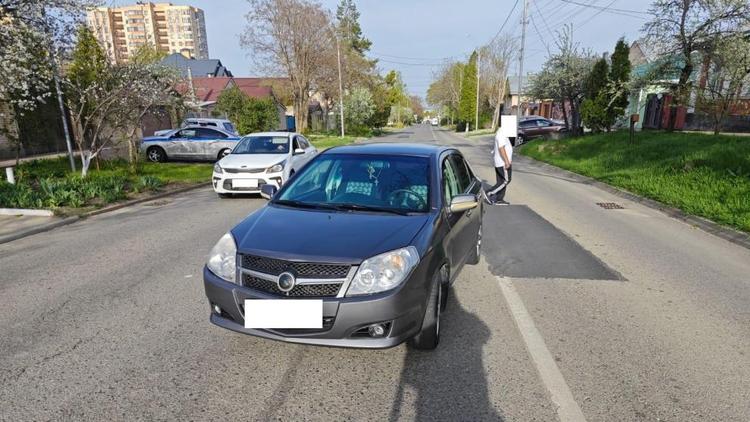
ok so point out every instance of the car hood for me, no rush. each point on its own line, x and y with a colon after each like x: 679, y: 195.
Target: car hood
x: 236, y: 161
x: 323, y: 236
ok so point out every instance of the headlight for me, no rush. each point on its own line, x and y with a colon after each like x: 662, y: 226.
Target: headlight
x: 217, y: 168
x: 276, y: 168
x: 222, y: 261
x: 384, y: 272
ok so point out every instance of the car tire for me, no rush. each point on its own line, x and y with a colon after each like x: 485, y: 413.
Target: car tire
x: 223, y: 153
x: 520, y: 140
x: 156, y: 155
x: 429, y: 335
x: 477, y: 251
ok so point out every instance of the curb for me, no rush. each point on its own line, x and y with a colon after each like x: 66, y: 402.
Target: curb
x: 69, y: 220
x: 735, y: 236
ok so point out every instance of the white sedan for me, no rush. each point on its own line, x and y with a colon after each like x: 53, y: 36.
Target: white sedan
x: 260, y: 159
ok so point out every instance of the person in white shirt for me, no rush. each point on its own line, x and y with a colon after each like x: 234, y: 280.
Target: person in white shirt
x: 503, y: 157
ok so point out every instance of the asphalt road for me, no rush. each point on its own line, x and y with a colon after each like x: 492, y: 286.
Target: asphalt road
x: 575, y: 311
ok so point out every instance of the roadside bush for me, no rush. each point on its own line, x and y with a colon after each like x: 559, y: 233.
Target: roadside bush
x: 148, y: 183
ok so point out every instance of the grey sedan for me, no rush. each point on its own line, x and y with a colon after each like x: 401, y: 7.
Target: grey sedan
x: 189, y: 143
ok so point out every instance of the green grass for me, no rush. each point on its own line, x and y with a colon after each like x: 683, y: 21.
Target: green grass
x: 323, y: 142
x: 703, y: 175
x: 481, y: 132
x: 51, y: 184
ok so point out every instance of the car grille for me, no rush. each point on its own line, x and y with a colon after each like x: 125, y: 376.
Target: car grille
x: 244, y: 170
x: 327, y: 325
x: 299, y: 290
x: 300, y: 269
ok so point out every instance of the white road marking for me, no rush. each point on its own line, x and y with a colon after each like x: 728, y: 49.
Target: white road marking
x: 552, y: 378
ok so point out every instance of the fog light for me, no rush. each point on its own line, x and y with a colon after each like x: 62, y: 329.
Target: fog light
x: 376, y: 330
x: 217, y: 310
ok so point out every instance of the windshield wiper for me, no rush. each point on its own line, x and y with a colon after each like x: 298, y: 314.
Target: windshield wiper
x: 360, y: 207
x: 300, y: 204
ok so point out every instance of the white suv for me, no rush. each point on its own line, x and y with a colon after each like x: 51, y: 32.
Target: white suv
x: 260, y: 159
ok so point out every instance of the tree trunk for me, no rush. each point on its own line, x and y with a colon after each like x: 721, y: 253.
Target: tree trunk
x: 682, y: 96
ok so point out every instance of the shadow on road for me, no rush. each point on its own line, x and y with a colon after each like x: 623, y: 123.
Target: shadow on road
x: 450, y: 382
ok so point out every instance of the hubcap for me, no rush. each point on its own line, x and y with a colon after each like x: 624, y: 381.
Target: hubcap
x: 479, y: 241
x: 154, y: 155
x: 437, y: 314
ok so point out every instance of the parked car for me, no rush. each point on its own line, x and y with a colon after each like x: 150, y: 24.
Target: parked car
x: 370, y: 236
x: 190, y: 143
x: 222, y: 124
x: 531, y: 127
x: 434, y: 121
x: 260, y: 159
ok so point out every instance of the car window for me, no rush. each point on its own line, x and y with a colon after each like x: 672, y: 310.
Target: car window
x: 210, y: 134
x: 187, y: 133
x: 262, y: 145
x: 527, y: 123
x: 543, y: 123
x: 295, y: 144
x: 462, y: 173
x: 451, y: 187
x: 229, y: 127
x: 303, y: 142
x: 363, y: 181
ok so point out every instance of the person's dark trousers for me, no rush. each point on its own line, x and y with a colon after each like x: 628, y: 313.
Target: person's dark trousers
x: 503, y: 176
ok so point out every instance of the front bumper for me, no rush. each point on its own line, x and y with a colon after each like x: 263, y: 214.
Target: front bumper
x: 403, y: 308
x: 222, y: 182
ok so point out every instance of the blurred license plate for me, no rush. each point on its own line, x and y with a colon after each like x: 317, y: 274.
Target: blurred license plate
x: 244, y: 183
x: 283, y: 313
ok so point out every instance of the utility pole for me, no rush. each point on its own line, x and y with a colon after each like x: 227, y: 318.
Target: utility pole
x: 520, y: 60
x: 341, y: 84
x: 479, y: 63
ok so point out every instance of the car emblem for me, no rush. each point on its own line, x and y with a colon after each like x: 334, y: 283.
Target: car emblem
x: 286, y: 282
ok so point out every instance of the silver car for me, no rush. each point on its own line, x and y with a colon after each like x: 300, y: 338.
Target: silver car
x: 189, y: 143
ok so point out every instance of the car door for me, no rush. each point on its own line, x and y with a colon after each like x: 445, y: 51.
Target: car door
x: 212, y: 141
x: 455, y: 240
x: 310, y: 151
x: 297, y: 159
x: 467, y: 184
x: 180, y: 143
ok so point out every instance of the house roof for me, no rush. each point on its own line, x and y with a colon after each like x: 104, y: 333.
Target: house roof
x: 198, y: 67
x: 253, y: 87
x: 206, y: 89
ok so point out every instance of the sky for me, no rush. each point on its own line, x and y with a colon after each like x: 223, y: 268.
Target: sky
x: 416, y: 36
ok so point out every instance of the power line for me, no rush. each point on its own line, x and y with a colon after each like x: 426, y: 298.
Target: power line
x: 544, y: 20
x: 605, y: 8
x: 411, y: 64
x: 541, y: 38
x: 372, y: 53
x: 507, y: 18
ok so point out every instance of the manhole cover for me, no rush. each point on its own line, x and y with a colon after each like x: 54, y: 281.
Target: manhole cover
x: 610, y: 205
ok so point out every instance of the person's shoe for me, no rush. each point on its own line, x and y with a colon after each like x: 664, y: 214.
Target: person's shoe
x: 501, y: 202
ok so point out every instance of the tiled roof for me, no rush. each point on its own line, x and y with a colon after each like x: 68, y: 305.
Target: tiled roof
x: 199, y: 68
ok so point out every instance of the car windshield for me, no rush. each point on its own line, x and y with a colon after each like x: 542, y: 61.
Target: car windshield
x: 352, y: 182
x: 262, y: 145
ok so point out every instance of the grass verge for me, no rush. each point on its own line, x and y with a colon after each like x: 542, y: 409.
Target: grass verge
x: 703, y: 175
x: 50, y: 184
x: 323, y: 142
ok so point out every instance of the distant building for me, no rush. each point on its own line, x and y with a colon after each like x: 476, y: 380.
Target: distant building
x: 170, y: 28
x: 197, y: 68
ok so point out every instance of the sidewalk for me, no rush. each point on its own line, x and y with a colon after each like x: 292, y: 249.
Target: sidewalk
x: 14, y: 227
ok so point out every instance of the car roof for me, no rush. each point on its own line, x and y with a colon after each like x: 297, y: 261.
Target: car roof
x: 218, y: 129
x: 277, y: 133
x: 206, y: 119
x: 390, y: 149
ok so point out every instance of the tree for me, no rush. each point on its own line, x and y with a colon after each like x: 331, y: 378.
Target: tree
x: 249, y: 114
x: 563, y: 78
x: 415, y: 102
x: 291, y: 37
x: 728, y: 75
x: 360, y: 108
x: 468, y: 103
x: 347, y: 17
x: 108, y: 101
x: 445, y: 90
x: 496, y: 60
x: 396, y: 98
x: 594, y: 107
x: 619, y: 81
x: 681, y: 28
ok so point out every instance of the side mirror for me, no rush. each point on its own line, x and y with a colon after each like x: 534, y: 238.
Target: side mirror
x: 268, y: 191
x: 461, y: 203
x: 299, y: 151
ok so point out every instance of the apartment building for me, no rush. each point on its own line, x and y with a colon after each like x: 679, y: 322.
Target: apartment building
x: 171, y: 28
